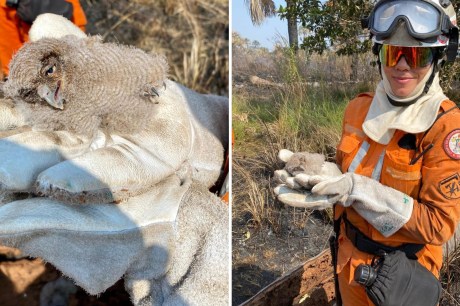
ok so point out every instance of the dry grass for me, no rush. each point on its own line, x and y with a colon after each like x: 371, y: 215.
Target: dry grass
x: 251, y: 188
x: 281, y: 65
x: 450, y: 278
x: 297, y: 117
x: 192, y: 34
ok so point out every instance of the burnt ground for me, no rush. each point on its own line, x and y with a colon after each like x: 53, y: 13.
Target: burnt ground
x: 289, y: 270
x: 260, y: 256
x: 22, y: 279
x: 283, y: 238
x: 310, y: 284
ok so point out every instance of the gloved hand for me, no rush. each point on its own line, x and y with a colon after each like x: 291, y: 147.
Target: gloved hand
x: 168, y: 238
x: 305, y: 197
x: 307, y: 164
x: 170, y: 244
x: 301, y: 172
x: 385, y: 208
x: 112, y: 166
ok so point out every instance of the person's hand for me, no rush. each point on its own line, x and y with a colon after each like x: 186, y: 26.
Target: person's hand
x: 106, y: 166
x: 173, y: 237
x: 168, y: 235
x: 301, y: 172
x: 320, y: 192
x: 304, y: 163
x: 385, y: 208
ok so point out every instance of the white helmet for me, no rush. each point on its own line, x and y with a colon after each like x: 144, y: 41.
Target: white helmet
x: 415, y: 23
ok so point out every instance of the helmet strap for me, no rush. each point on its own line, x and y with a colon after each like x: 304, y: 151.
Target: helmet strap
x: 452, y: 47
x: 425, y: 89
x: 376, y: 50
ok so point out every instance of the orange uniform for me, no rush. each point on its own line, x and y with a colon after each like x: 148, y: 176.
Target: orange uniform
x: 14, y: 31
x: 433, y: 181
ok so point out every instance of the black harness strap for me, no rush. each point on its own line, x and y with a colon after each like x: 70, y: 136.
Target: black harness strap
x: 437, y: 118
x: 334, y: 246
x: 367, y: 245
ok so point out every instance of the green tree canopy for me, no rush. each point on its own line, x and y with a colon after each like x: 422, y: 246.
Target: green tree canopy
x: 333, y: 24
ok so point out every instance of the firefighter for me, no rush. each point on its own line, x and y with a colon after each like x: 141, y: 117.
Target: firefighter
x: 399, y: 151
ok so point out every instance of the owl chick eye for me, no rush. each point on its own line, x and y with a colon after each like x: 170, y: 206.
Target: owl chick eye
x: 50, y: 70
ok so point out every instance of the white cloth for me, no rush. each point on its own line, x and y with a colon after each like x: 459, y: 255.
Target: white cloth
x: 383, y: 118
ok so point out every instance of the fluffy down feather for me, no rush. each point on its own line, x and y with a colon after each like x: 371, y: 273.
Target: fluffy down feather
x: 81, y: 84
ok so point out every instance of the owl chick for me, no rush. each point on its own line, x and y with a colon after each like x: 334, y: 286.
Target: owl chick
x: 300, y: 167
x: 105, y: 104
x: 81, y: 84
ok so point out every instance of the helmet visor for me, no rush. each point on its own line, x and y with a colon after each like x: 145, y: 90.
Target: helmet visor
x: 416, y: 57
x: 422, y: 18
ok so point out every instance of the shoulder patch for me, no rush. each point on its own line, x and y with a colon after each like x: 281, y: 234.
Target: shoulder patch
x: 452, y: 144
x: 450, y: 187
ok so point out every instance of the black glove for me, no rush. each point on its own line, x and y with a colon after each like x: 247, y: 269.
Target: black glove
x: 28, y: 10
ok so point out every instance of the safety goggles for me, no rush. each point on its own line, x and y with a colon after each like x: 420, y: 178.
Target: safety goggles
x: 416, y: 57
x: 423, y: 19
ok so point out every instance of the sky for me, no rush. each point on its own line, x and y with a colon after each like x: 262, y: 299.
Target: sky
x: 267, y: 33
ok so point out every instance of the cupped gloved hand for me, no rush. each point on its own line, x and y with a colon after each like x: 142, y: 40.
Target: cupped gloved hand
x: 168, y: 235
x: 385, y: 208
x: 103, y: 152
x: 170, y: 244
x: 324, y: 193
x: 301, y: 172
x: 299, y: 167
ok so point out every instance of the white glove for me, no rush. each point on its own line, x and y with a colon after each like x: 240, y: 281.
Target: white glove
x: 303, y: 163
x: 167, y: 236
x: 198, y: 269
x: 113, y: 167
x: 385, y: 208
x: 301, y: 172
x: 174, y: 237
x: 186, y: 127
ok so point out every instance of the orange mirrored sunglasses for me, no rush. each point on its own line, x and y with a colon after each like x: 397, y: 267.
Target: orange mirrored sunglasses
x: 416, y: 57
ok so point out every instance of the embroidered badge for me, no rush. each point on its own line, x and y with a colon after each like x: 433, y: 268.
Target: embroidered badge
x: 452, y: 144
x: 442, y: 39
x: 450, y: 187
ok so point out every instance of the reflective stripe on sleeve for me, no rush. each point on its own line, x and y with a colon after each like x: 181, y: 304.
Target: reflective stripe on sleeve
x: 359, y: 156
x: 378, y: 168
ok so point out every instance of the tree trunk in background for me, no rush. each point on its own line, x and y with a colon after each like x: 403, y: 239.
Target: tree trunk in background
x: 292, y: 27
x: 354, y: 68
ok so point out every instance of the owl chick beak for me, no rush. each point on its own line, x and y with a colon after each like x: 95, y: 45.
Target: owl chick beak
x: 53, y: 97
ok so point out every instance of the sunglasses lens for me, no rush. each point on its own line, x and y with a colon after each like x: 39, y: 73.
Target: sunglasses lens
x: 415, y: 56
